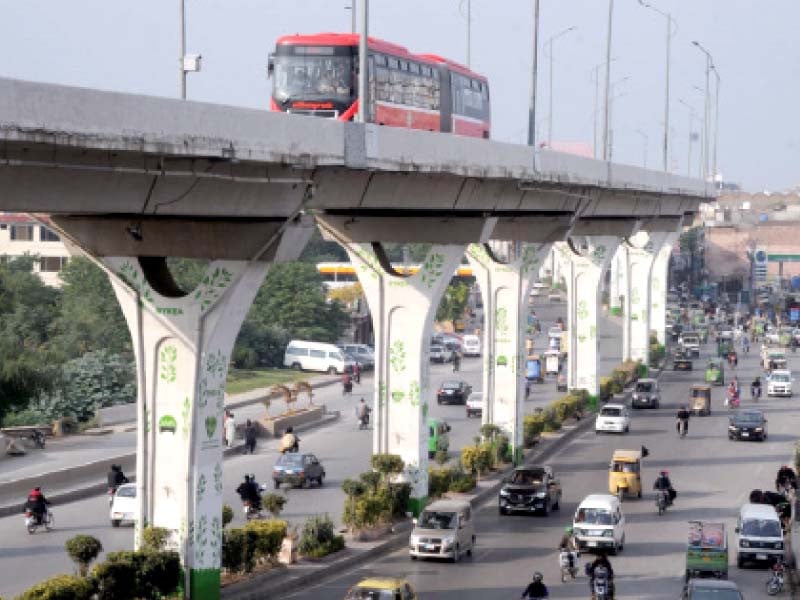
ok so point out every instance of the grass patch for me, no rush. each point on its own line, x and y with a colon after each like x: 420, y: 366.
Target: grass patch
x: 245, y: 380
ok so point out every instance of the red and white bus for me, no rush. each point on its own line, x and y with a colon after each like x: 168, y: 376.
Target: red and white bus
x: 317, y: 75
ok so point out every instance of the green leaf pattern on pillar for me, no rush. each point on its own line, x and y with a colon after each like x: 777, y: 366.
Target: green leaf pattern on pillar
x: 424, y: 410
x: 583, y: 310
x: 598, y: 254
x: 216, y: 363
x: 501, y: 322
x: 218, y: 479
x: 592, y: 332
x: 432, y: 268
x: 212, y: 286
x: 383, y: 394
x: 215, y: 540
x: 186, y: 415
x: 370, y: 264
x: 413, y: 393
x: 478, y: 252
x: 201, y: 539
x: 530, y: 258
x: 635, y: 296
x: 201, y: 488
x: 397, y: 357
x: 168, y: 356
x: 131, y: 276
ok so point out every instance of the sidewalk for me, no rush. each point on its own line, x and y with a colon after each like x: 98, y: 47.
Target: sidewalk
x: 74, y: 466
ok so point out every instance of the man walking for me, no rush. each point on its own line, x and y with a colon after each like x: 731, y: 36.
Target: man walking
x: 249, y: 437
x: 230, y: 429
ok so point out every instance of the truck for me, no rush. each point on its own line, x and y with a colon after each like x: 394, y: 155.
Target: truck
x: 690, y: 342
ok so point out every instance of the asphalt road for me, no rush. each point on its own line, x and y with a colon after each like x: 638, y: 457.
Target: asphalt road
x: 342, y: 448
x: 713, y: 477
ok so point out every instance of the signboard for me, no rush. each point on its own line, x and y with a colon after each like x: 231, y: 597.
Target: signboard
x: 794, y: 314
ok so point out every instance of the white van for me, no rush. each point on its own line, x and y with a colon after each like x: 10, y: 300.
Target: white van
x: 445, y: 529
x: 759, y: 533
x: 316, y: 356
x: 471, y: 345
x: 599, y: 523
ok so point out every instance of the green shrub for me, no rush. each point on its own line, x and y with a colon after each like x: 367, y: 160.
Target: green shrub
x: 227, y: 514
x: 387, y: 465
x: 319, y: 537
x: 503, y: 448
x: 441, y: 457
x: 233, y: 547
x: 605, y: 388
x: 439, y: 481
x: 532, y: 426
x: 462, y: 482
x: 154, y: 539
x: 371, y: 480
x: 400, y: 494
x: 60, y: 587
x: 83, y: 549
x: 797, y: 457
x: 274, y: 503
x: 117, y: 577
x: 477, y: 459
x: 266, y: 538
x: 551, y: 420
x: 160, y: 573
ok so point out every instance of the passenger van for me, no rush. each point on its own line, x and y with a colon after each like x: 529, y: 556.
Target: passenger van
x: 316, y: 356
x: 445, y: 529
x: 759, y: 533
x: 599, y: 524
x: 471, y: 345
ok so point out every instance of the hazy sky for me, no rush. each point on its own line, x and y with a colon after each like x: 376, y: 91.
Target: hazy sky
x: 133, y: 46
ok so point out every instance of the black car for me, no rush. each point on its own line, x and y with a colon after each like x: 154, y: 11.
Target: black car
x: 298, y: 470
x: 453, y: 392
x: 530, y: 490
x: 748, y: 425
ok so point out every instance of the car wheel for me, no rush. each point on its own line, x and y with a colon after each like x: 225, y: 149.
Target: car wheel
x: 456, y: 554
x: 502, y: 511
x: 438, y: 401
x: 413, y: 557
x: 331, y: 370
x: 627, y: 429
x: 546, y: 509
x: 320, y: 479
x: 276, y: 483
x: 740, y: 562
x: 115, y: 522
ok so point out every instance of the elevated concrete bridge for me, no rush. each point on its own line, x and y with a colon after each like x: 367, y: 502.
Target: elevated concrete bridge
x: 132, y: 180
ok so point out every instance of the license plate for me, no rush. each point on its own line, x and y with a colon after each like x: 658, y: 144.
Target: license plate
x: 429, y: 546
x: 745, y: 434
x: 761, y: 557
x: 591, y: 544
x: 117, y: 515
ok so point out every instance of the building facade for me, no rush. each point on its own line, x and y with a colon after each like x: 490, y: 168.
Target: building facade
x: 21, y: 234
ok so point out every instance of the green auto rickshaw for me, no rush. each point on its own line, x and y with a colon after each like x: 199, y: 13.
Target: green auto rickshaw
x: 702, y: 331
x: 715, y: 372
x: 724, y: 344
x: 438, y: 436
x: 707, y: 550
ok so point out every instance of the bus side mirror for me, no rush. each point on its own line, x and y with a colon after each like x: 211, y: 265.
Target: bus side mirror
x: 270, y: 65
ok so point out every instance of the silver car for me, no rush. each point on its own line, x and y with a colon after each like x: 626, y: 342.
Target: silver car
x: 646, y: 394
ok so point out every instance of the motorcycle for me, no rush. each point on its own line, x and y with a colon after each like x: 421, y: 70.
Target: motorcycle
x: 683, y: 427
x: 755, y: 392
x: 38, y: 438
x: 775, y: 583
x: 363, y: 421
x: 111, y: 493
x: 662, y: 501
x: 564, y: 559
x: 33, y: 521
x: 601, y: 587
x: 250, y: 511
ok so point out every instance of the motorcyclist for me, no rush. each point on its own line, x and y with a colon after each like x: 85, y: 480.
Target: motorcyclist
x: 37, y: 503
x: 663, y: 484
x: 536, y: 589
x: 601, y: 561
x: 248, y: 492
x: 347, y: 384
x: 116, y: 477
x: 682, y: 418
x: 289, y: 442
x: 362, y: 412
x: 755, y: 388
x: 568, y: 544
x: 786, y: 478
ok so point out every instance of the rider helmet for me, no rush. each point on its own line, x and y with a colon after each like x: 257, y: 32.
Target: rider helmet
x: 568, y: 530
x: 537, y: 576
x: 664, y: 472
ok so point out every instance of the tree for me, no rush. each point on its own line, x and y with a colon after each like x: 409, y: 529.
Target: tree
x: 83, y: 549
x: 88, y: 315
x: 319, y: 250
x: 453, y: 303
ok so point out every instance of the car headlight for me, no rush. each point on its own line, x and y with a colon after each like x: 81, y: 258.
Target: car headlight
x: 759, y: 429
x: 608, y: 533
x: 541, y: 495
x: 504, y: 493
x: 744, y: 543
x: 779, y: 545
x: 732, y: 427
x: 414, y: 540
x: 448, y: 542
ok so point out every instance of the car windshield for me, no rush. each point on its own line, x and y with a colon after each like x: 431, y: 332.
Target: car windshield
x: 712, y: 594
x: 436, y: 348
x: 127, y: 492
x: 304, y: 77
x: 748, y: 417
x: 437, y: 520
x: 780, y: 377
x: 644, y: 386
x: 611, y: 412
x: 761, y: 528
x: 594, y: 516
x: 369, y: 594
x: 527, y: 476
x: 290, y: 459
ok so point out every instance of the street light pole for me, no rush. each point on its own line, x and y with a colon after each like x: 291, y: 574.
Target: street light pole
x: 716, y: 124
x: 644, y: 136
x: 706, y: 108
x: 182, y: 33
x: 667, y: 69
x: 608, y: 78
x: 611, y: 99
x: 469, y: 33
x: 549, y: 44
x: 534, y: 68
x: 353, y: 23
x: 363, y: 17
x: 689, y: 139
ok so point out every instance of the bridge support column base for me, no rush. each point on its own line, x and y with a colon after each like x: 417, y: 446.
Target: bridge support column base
x: 402, y: 315
x: 659, y: 286
x: 504, y: 290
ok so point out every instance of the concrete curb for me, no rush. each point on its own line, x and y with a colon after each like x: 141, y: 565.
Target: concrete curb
x: 256, y: 588
x: 97, y: 469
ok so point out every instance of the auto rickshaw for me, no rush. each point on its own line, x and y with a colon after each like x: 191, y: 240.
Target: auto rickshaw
x: 551, y: 362
x: 724, y: 345
x: 702, y: 331
x: 533, y: 369
x: 700, y: 399
x: 715, y: 372
x: 624, y: 474
x: 707, y: 550
x: 681, y: 361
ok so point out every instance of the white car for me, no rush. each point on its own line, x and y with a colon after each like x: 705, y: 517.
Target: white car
x: 475, y: 404
x: 779, y: 383
x: 123, y: 505
x: 471, y: 345
x: 613, y: 418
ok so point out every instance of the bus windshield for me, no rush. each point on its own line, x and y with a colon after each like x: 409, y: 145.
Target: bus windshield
x: 313, y: 77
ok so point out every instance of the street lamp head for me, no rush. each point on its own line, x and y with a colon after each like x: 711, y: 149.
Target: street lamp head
x: 696, y: 43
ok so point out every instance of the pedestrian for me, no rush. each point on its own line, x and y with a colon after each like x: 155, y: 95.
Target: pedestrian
x: 357, y: 372
x: 249, y: 437
x: 230, y: 428
x: 456, y: 361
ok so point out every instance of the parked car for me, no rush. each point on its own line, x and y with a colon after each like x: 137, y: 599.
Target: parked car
x: 453, y: 392
x: 472, y: 345
x: 123, y: 505
x: 779, y: 383
x: 298, y: 470
x: 363, y: 353
x: 316, y: 356
x: 530, y: 489
x: 475, y: 404
x: 613, y: 418
x: 747, y: 425
x: 445, y: 529
x: 646, y: 394
x: 380, y: 588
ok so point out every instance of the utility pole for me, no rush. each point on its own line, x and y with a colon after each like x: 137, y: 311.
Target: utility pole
x: 534, y: 66
x: 353, y: 22
x: 716, y: 124
x: 645, y: 138
x: 363, y: 17
x: 707, y: 108
x: 608, y: 78
x: 469, y: 33
x: 182, y: 33
x: 689, y: 138
x: 550, y: 108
